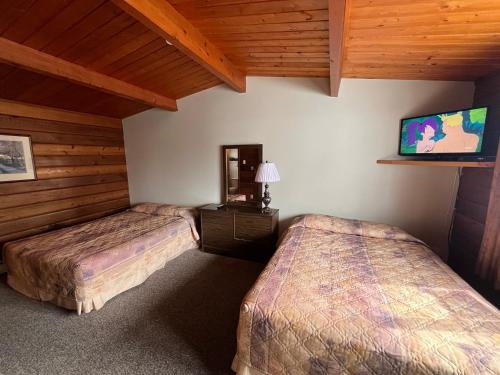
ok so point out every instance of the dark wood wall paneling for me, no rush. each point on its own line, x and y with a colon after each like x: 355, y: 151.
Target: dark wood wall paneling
x: 475, y: 184
x: 80, y: 167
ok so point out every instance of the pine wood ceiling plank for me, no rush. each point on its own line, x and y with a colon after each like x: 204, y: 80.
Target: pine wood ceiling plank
x: 95, y: 40
x: 158, y: 67
x: 287, y: 35
x: 304, y: 60
x: 118, y: 107
x: 181, y: 75
x: 290, y: 64
x: 192, y: 83
x: 266, y: 28
x: 85, y: 99
x: 323, y: 54
x: 38, y: 15
x: 432, y: 48
x: 243, y: 44
x: 423, y: 39
x: 287, y: 72
x: 14, y: 84
x: 62, y: 22
x: 69, y: 96
x: 193, y: 80
x: 188, y: 75
x: 390, y: 64
x: 430, y: 65
x: 339, y: 29
x: 148, y: 62
x: 126, y: 48
x: 116, y: 45
x: 493, y: 55
x: 16, y: 54
x: 288, y: 17
x: 12, y: 12
x: 133, y: 57
x: 5, y: 70
x: 166, y: 67
x: 44, y: 90
x: 279, y: 49
x: 378, y: 9
x: 430, y: 39
x: 405, y: 75
x: 82, y: 29
x: 450, y: 18
x: 425, y: 4
x: 161, y: 17
x: 61, y: 94
x: 381, y: 70
x: 199, y: 81
x: 438, y: 29
x: 173, y: 76
x: 215, y: 2
x: 200, y: 85
x: 201, y: 10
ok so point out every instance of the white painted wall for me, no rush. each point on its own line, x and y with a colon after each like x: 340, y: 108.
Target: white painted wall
x: 325, y: 149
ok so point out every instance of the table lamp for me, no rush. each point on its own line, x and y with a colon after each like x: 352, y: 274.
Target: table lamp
x: 267, y: 172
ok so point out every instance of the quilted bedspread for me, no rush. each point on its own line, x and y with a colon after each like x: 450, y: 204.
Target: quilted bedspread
x: 351, y: 297
x: 83, y: 266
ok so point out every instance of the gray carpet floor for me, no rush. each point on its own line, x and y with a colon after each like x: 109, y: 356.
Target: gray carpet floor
x: 182, y: 320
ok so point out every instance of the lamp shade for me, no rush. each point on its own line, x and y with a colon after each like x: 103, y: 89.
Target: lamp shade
x: 267, y: 172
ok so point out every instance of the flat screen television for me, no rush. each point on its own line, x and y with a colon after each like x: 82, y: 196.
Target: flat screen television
x: 444, y: 134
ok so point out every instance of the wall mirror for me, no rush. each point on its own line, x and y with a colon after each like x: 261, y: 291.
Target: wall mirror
x: 239, y: 166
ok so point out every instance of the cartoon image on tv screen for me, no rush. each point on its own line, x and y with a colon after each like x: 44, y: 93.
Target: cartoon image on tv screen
x: 454, y: 132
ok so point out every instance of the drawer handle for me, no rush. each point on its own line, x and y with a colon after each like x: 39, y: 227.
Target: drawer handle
x: 243, y: 239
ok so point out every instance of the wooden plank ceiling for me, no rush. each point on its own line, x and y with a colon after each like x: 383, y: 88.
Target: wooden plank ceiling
x: 100, y: 36
x: 394, y: 39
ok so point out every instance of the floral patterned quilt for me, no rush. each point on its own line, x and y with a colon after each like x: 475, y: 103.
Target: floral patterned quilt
x: 352, y: 297
x: 83, y: 266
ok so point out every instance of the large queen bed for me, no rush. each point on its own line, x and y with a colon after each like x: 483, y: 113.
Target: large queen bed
x: 351, y: 297
x: 83, y: 266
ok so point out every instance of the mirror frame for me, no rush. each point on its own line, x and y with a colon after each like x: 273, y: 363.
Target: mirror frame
x: 255, y: 203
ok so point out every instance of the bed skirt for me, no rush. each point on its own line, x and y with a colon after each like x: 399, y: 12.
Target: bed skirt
x: 108, y: 284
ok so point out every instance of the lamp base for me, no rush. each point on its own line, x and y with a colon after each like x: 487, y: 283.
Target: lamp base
x: 266, y: 199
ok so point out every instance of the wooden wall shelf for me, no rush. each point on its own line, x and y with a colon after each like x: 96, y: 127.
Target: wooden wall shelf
x: 438, y: 163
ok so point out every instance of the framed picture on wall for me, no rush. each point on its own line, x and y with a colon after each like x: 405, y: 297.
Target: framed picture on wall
x: 16, y: 158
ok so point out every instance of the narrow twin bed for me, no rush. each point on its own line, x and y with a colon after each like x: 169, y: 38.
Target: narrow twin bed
x: 350, y: 297
x: 82, y: 267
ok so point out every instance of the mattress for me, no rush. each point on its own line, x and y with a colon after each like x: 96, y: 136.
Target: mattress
x: 83, y: 266
x: 351, y: 297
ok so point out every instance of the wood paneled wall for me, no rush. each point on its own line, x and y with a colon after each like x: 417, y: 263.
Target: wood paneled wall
x: 474, y: 190
x: 470, y: 216
x: 80, y: 167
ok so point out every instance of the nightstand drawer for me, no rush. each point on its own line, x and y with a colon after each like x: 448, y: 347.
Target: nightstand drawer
x: 242, y: 232
x: 217, y: 229
x: 252, y: 228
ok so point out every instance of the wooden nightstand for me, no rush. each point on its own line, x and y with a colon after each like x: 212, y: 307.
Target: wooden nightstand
x: 242, y: 232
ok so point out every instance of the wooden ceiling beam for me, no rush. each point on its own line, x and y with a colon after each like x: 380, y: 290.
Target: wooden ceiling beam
x: 162, y: 18
x: 28, y: 58
x: 338, y: 13
x: 18, y: 109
